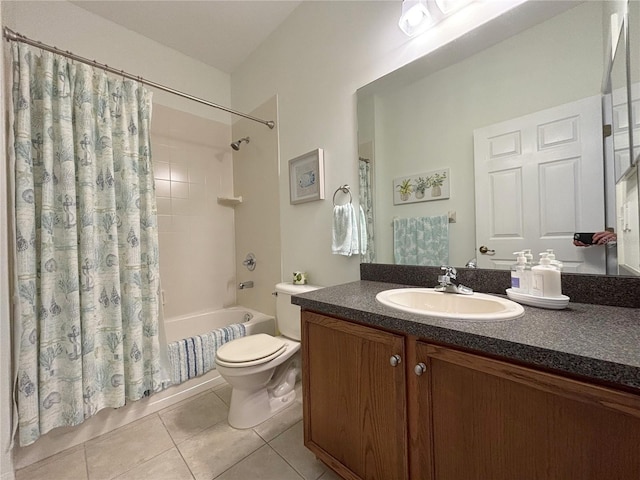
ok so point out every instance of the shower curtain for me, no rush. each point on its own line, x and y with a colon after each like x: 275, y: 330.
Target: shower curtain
x: 366, y: 204
x: 86, y: 243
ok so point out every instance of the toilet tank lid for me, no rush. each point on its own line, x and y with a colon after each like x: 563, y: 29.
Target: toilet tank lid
x: 291, y: 289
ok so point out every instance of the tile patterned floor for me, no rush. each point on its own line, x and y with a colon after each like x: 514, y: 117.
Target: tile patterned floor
x: 190, y: 441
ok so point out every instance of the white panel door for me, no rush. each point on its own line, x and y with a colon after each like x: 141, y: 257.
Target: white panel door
x: 538, y: 180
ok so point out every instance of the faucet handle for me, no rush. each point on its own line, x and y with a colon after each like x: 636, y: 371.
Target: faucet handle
x: 449, y: 271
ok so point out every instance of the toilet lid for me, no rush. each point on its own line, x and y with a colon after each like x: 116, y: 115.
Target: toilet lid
x: 251, y: 349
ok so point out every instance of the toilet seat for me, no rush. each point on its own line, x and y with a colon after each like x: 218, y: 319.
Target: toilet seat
x: 250, y: 350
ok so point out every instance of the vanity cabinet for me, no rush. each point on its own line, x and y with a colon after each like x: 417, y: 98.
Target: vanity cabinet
x: 495, y: 420
x: 452, y: 415
x: 354, y: 398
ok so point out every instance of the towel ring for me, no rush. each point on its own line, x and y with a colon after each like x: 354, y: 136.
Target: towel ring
x: 344, y: 189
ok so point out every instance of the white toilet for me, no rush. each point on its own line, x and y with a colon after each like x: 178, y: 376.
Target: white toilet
x: 262, y: 369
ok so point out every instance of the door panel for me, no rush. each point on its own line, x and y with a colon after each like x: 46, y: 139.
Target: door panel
x: 539, y: 179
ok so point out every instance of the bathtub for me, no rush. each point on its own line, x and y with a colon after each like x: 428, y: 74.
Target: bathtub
x: 186, y: 326
x: 195, y: 324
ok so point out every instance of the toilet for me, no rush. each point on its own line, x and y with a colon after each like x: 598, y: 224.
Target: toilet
x: 262, y: 369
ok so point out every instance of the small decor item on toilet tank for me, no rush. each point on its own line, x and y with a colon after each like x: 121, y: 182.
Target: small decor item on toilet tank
x: 299, y: 278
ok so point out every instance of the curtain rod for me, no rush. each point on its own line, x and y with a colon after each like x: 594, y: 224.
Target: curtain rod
x: 10, y: 35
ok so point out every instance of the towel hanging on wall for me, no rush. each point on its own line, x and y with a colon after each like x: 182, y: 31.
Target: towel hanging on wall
x: 345, y: 231
x: 421, y: 240
x: 344, y: 235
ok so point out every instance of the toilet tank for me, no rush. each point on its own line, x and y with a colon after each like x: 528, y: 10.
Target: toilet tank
x: 288, y: 315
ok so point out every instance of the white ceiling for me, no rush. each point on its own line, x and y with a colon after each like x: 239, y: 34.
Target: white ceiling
x: 219, y: 33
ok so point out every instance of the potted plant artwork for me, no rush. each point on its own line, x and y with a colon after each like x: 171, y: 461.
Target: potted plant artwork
x: 421, y: 185
x: 435, y: 181
x: 405, y: 189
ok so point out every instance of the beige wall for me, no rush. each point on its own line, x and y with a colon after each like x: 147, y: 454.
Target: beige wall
x: 256, y: 178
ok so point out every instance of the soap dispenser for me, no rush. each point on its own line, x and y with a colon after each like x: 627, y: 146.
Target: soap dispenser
x: 546, y: 279
x: 520, y: 274
x: 529, y: 256
x: 552, y: 258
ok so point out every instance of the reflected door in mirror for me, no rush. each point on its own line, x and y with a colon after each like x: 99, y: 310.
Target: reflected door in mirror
x: 539, y: 180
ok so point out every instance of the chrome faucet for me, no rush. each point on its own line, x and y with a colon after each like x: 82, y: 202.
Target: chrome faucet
x: 449, y: 282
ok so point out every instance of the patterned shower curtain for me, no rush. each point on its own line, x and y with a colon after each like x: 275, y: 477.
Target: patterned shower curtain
x: 366, y: 204
x: 87, y: 272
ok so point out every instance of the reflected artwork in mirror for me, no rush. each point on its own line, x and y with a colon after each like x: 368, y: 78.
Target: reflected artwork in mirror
x: 517, y: 110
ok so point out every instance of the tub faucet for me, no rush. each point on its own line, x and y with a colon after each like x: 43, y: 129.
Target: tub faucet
x: 449, y: 282
x: 243, y: 285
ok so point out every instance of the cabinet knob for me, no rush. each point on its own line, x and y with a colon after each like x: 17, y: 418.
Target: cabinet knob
x: 419, y: 369
x: 395, y: 360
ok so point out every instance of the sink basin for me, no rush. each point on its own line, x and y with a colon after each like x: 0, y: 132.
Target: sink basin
x: 478, y: 307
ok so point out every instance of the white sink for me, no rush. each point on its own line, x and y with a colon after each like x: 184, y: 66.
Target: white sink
x: 477, y: 307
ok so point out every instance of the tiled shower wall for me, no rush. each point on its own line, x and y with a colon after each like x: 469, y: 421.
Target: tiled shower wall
x: 192, y: 167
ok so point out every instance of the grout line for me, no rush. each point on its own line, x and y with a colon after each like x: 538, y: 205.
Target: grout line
x: 287, y: 462
x: 175, y: 445
x: 86, y: 461
x: 243, y: 458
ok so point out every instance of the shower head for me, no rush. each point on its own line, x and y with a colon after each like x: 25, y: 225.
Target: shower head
x: 236, y: 145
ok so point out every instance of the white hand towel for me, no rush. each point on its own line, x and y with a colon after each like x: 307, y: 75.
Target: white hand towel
x: 345, y: 230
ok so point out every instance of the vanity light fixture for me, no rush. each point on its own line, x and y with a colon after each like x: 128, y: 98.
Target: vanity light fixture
x: 450, y: 6
x: 418, y: 15
x: 415, y: 17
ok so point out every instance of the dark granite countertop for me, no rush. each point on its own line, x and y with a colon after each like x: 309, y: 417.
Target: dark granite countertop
x: 594, y: 341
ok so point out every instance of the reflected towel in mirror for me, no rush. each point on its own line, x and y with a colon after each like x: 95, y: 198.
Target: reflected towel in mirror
x: 421, y: 240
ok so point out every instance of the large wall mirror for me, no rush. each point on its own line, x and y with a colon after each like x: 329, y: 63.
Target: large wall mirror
x: 515, y: 116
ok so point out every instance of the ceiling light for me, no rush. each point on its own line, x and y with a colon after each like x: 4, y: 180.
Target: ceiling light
x: 449, y: 6
x: 415, y: 17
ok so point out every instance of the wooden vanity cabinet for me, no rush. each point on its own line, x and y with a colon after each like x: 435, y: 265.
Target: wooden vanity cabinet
x: 494, y: 420
x: 452, y: 415
x: 354, y: 398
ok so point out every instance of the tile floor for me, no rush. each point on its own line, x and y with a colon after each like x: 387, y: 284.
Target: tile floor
x: 190, y: 441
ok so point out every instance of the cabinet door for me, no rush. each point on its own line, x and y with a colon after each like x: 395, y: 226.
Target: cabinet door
x: 494, y: 420
x: 354, y: 399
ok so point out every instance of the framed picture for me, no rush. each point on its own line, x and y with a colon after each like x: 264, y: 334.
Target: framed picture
x: 423, y: 187
x: 306, y: 177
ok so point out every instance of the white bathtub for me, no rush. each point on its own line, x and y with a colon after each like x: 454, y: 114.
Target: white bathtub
x: 187, y: 326
x: 198, y: 323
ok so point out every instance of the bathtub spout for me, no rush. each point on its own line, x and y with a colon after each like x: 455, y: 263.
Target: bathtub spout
x: 243, y: 285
